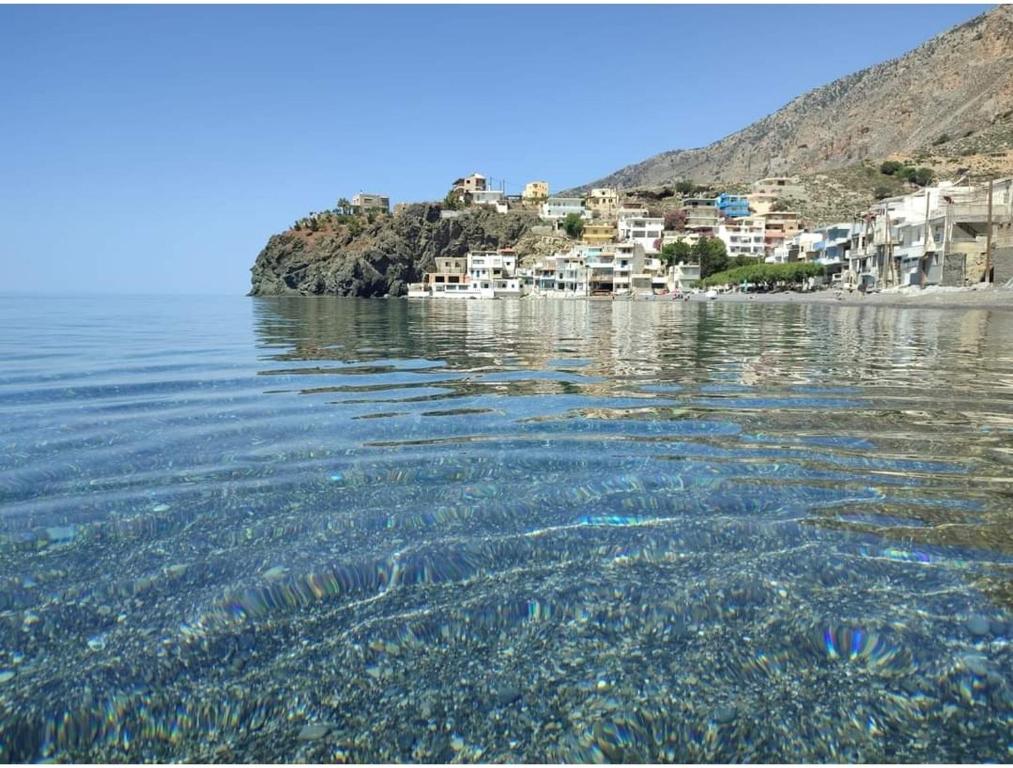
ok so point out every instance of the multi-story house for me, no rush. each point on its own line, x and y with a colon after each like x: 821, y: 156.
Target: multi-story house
x: 535, y: 191
x: 643, y: 230
x: 744, y: 237
x: 780, y: 226
x: 732, y: 206
x: 598, y: 232
x: 702, y: 215
x: 603, y: 202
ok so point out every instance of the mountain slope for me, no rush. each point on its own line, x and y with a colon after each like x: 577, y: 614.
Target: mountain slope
x: 955, y: 85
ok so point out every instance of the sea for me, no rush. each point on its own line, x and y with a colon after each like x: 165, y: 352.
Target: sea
x: 297, y: 529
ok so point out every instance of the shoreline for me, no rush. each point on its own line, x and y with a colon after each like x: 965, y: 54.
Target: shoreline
x: 927, y: 298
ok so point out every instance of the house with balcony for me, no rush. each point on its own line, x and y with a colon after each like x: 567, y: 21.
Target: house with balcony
x: 779, y: 226
x: 702, y: 215
x: 744, y: 236
x: 643, y: 230
x: 732, y: 206
x: 597, y: 232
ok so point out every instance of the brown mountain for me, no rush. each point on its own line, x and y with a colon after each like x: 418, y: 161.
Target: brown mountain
x: 955, y: 87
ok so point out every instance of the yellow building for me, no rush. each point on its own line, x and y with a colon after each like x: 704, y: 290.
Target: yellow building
x: 599, y: 232
x: 536, y: 190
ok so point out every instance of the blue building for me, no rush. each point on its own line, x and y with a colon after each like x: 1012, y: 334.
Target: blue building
x: 733, y: 206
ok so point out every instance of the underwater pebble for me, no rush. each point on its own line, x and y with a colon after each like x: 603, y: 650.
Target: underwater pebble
x: 313, y: 731
x: 161, y: 508
x: 977, y: 625
x: 6, y: 674
x: 276, y: 573
x: 505, y: 695
x: 60, y: 534
x: 724, y: 714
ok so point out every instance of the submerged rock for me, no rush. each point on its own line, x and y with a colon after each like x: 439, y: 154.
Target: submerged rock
x: 313, y: 731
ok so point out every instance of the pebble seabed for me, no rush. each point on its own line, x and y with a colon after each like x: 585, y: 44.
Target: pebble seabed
x: 634, y: 570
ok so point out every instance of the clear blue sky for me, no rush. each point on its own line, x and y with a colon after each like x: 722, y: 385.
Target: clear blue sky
x: 155, y: 148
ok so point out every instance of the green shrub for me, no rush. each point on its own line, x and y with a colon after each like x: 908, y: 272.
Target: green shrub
x: 573, y: 225
x: 890, y: 167
x: 765, y: 273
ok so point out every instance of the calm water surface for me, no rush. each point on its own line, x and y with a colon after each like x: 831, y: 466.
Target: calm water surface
x: 315, y: 530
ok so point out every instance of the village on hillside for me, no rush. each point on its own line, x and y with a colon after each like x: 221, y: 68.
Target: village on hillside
x: 630, y: 244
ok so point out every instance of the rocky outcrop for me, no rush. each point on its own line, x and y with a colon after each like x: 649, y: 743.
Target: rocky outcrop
x: 380, y: 258
x: 956, y: 87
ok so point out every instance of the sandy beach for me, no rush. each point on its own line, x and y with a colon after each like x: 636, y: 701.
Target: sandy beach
x: 1000, y: 298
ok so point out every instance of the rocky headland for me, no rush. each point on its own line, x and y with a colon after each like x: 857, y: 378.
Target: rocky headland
x: 380, y: 255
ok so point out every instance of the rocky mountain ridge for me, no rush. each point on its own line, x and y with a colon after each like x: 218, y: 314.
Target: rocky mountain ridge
x: 952, y: 88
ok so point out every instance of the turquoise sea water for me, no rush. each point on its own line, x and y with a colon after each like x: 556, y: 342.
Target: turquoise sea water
x: 316, y: 529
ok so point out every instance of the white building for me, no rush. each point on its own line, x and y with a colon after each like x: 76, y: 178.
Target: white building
x: 681, y: 276
x: 743, y: 237
x: 558, y: 208
x: 642, y: 230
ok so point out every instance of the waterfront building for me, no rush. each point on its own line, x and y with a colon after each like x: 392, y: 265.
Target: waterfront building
x: 365, y: 201
x: 535, y: 191
x: 479, y: 275
x: 603, y: 202
x: 683, y: 276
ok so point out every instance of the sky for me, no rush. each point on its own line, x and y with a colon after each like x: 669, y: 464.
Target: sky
x: 154, y: 149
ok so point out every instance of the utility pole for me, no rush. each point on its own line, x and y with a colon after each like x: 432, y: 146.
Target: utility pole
x: 988, y: 237
x: 925, y: 242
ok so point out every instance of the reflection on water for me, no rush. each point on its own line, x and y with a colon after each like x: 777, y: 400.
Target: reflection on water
x: 315, y: 529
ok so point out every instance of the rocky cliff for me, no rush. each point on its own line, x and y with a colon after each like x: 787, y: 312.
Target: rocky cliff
x: 952, y: 96
x: 347, y: 256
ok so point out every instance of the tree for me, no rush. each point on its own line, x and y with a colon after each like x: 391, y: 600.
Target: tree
x: 451, y: 202
x: 881, y: 192
x: 573, y: 225
x: 675, y: 252
x: 686, y: 187
x: 344, y: 205
x: 676, y: 220
x: 711, y: 254
x: 921, y: 176
x: 890, y: 167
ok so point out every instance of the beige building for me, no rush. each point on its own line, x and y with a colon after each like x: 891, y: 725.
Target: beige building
x: 603, y: 202
x: 599, y: 232
x: 535, y: 191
